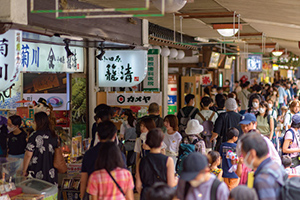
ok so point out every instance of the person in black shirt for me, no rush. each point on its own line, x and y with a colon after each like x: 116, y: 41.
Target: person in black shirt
x: 16, y: 137
x: 3, y: 136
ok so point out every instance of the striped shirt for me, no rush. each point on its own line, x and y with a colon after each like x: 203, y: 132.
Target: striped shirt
x: 101, y: 184
x: 268, y: 180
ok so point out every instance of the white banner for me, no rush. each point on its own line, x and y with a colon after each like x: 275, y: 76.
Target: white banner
x: 122, y: 68
x: 38, y: 57
x: 57, y: 100
x: 10, y: 58
x: 133, y: 99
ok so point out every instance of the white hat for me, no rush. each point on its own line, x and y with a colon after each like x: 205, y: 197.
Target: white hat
x: 230, y: 104
x: 193, y: 127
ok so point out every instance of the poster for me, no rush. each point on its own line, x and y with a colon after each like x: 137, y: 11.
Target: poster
x: 58, y: 100
x: 133, y: 99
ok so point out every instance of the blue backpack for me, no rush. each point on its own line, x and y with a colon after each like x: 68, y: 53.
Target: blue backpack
x: 281, y: 139
x: 184, y: 151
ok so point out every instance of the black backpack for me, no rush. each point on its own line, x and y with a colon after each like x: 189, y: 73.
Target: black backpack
x: 184, y: 119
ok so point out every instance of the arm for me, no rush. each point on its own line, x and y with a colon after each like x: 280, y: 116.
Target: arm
x: 171, y: 173
x: 138, y: 181
x: 220, y: 175
x: 94, y: 197
x: 137, y: 160
x: 271, y: 128
x: 27, y: 158
x: 214, y: 136
x: 240, y: 167
x: 129, y: 195
x: 285, y: 147
x: 83, y: 184
x: 122, y: 131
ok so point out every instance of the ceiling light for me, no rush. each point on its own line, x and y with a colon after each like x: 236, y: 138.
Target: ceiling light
x: 101, y: 48
x: 199, y: 39
x: 69, y: 52
x: 227, y: 30
x: 171, y: 6
x: 277, y: 53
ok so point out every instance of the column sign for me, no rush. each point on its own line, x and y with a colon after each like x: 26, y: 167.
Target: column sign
x: 122, y: 68
x: 172, y: 94
x: 37, y: 57
x: 10, y: 58
x: 152, y: 80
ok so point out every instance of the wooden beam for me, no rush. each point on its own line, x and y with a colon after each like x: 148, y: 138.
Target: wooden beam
x: 206, y: 15
x: 260, y: 44
x: 226, y: 26
x: 250, y: 34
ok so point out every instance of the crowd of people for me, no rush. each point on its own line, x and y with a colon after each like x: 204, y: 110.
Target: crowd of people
x: 240, y: 145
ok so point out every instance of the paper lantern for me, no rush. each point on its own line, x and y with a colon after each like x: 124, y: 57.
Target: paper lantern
x: 173, y: 53
x: 165, y: 51
x: 180, y: 55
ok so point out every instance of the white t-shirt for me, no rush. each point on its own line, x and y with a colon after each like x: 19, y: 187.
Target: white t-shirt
x: 288, y: 120
x: 294, y: 145
x: 206, y: 114
x: 172, y: 142
x: 139, y: 141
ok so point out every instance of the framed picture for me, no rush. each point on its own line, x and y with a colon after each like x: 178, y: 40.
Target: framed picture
x: 67, y: 183
x: 76, y: 183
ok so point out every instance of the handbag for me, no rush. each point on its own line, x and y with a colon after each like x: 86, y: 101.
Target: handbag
x: 59, y: 161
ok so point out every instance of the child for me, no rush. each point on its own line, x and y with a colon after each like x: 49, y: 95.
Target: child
x: 172, y: 138
x: 287, y: 162
x: 160, y: 191
x: 230, y: 178
x: 214, y: 160
x: 242, y: 192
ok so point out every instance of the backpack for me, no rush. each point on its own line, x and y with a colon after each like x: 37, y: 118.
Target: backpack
x: 129, y: 137
x: 290, y: 188
x: 281, y: 139
x: 213, y: 190
x: 208, y: 127
x: 184, y: 151
x: 184, y: 119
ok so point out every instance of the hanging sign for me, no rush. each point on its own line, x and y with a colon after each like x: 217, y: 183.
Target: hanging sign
x: 133, y: 99
x: 205, y: 79
x: 244, y: 76
x: 122, y: 68
x: 254, y: 63
x: 152, y: 80
x: 10, y: 58
x: 38, y: 57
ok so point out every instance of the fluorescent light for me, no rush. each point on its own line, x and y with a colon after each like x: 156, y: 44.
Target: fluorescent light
x: 227, y: 32
x: 200, y: 39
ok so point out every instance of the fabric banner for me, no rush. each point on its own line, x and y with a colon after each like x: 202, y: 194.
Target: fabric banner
x: 133, y: 99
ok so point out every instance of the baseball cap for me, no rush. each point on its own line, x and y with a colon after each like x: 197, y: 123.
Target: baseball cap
x: 248, y: 118
x: 296, y: 118
x: 193, y: 164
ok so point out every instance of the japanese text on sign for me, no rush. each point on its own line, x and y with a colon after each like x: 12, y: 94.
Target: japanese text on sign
x: 138, y: 98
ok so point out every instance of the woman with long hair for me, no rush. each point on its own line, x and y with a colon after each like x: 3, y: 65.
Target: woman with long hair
x: 265, y: 122
x: 154, y: 167
x: 110, y: 180
x: 39, y: 154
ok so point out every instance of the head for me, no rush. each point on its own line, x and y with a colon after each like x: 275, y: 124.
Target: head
x: 214, y: 158
x: 248, y: 122
x: 270, y: 103
x: 219, y: 90
x: 296, y: 121
x: 171, y: 121
x: 155, y: 138
x: 42, y: 123
x: 205, y: 102
x: 284, y: 109
x: 153, y: 109
x: 160, y: 191
x: 111, y: 153
x: 190, y: 99
x: 130, y: 117
x: 255, y: 102
x: 193, y: 127
x: 232, y: 134
x: 236, y: 83
x: 231, y: 104
x: 227, y: 82
x: 102, y: 116
x: 263, y: 107
x: 254, y: 149
x: 275, y: 92
x: 294, y: 106
x: 258, y: 89
x: 232, y: 95
x: 14, y: 123
x: 195, y: 169
x: 242, y: 192
x: 286, y: 161
x: 107, y: 131
x: 221, y: 103
x: 206, y: 90
x: 147, y: 124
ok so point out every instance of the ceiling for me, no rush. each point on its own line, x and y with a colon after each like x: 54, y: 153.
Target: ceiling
x: 278, y: 20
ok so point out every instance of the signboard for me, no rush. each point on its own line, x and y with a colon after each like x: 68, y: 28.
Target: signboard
x: 244, y: 76
x: 152, y: 80
x: 10, y: 58
x: 228, y: 62
x: 57, y: 100
x: 38, y: 57
x: 205, y: 79
x: 133, y: 99
x: 254, y: 63
x: 172, y: 94
x: 214, y: 60
x: 122, y: 68
x: 9, y: 97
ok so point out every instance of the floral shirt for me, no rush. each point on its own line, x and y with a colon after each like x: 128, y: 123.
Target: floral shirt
x: 42, y: 144
x: 102, y: 185
x: 216, y: 171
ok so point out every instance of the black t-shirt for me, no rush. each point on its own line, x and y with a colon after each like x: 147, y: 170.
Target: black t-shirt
x: 17, y: 143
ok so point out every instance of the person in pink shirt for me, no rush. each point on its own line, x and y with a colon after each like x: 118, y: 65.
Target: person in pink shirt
x: 248, y: 124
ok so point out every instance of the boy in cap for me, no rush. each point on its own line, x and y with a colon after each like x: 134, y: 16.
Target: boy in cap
x: 196, y: 181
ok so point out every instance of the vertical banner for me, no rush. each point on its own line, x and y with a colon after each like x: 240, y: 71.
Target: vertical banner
x: 10, y: 58
x: 152, y: 80
x: 172, y: 94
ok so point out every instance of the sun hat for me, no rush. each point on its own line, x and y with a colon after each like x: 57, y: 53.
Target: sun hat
x: 193, y: 127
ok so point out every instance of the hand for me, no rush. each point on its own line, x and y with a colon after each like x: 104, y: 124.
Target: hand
x: 241, y: 160
x: 25, y: 173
